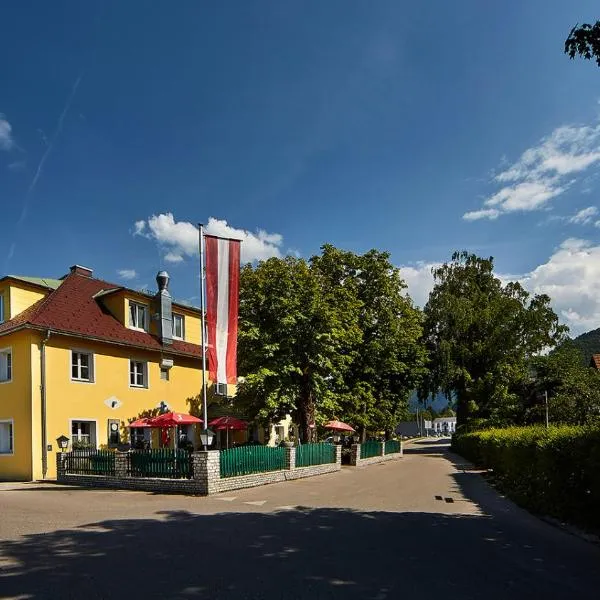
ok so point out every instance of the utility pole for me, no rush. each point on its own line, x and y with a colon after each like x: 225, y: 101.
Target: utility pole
x: 546, y: 398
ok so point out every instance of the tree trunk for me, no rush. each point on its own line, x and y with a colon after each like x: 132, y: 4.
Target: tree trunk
x: 462, y: 409
x: 306, y: 411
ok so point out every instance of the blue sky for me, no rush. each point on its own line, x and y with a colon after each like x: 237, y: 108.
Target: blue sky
x: 411, y: 127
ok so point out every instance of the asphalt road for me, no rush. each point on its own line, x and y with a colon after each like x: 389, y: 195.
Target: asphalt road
x: 425, y: 526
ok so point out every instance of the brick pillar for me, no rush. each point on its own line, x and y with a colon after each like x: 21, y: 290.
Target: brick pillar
x: 338, y: 454
x: 61, y: 465
x: 207, y: 471
x: 290, y: 459
x: 121, y: 465
x: 355, y: 455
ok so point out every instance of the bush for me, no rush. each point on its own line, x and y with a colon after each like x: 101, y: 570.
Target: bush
x: 554, y: 471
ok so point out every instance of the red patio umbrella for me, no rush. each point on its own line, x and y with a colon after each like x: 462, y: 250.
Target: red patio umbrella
x: 143, y: 422
x: 339, y: 426
x: 173, y: 419
x: 228, y: 423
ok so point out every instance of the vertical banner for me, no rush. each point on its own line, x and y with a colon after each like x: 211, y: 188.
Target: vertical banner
x: 222, y: 298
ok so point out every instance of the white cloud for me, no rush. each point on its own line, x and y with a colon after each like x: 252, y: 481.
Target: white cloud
x: 484, y: 213
x: 584, y: 216
x: 543, y: 172
x: 173, y: 257
x: 139, y: 228
x: 180, y: 238
x: 18, y: 165
x: 419, y: 279
x: 127, y: 274
x: 6, y: 140
x: 570, y: 276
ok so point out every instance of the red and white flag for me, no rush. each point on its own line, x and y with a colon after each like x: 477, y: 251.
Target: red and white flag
x: 222, y: 298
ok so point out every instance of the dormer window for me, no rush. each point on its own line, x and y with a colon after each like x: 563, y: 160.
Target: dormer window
x: 138, y: 316
x: 178, y: 327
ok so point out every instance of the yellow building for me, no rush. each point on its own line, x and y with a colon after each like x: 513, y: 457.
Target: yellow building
x: 82, y: 357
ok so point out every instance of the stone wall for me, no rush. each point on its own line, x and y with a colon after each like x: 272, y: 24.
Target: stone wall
x: 206, y: 478
x: 357, y: 461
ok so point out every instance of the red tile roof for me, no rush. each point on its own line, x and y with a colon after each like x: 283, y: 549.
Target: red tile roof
x: 72, y: 309
x: 595, y: 362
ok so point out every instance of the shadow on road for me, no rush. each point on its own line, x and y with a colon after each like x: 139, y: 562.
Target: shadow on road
x: 302, y: 553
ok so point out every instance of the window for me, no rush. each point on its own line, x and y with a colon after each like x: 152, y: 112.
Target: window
x: 1, y: 308
x: 5, y: 365
x: 114, y: 434
x: 138, y: 373
x: 178, y: 327
x: 138, y: 316
x: 6, y: 437
x: 83, y: 434
x: 140, y: 437
x: 279, y: 433
x: 164, y: 374
x: 82, y: 366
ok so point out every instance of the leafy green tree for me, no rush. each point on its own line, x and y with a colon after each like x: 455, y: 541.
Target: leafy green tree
x: 584, y: 40
x: 447, y: 412
x: 391, y: 359
x: 573, y: 389
x: 480, y: 335
x: 297, y: 336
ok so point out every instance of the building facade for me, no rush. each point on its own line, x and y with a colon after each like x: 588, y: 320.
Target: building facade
x: 82, y: 357
x: 444, y: 425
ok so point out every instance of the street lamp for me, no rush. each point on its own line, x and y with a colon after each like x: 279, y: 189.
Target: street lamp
x: 63, y: 442
x: 206, y: 437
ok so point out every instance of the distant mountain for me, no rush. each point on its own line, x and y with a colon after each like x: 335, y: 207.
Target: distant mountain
x: 588, y: 343
x: 438, y: 403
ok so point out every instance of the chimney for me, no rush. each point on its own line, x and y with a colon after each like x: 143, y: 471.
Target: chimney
x: 83, y: 271
x: 164, y: 305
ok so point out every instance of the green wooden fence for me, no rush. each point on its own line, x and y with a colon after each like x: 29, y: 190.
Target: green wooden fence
x: 89, y: 461
x: 160, y: 462
x: 251, y: 459
x: 392, y: 446
x: 370, y: 449
x: 314, y: 454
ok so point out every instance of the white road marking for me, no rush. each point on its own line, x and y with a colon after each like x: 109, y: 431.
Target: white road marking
x: 228, y: 498
x: 256, y: 502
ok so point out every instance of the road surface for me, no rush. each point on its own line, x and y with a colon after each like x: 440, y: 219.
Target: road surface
x: 424, y: 526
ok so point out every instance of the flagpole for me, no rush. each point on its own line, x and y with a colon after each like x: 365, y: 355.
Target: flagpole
x: 204, y: 340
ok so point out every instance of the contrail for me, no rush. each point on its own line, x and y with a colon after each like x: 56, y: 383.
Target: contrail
x: 49, y: 146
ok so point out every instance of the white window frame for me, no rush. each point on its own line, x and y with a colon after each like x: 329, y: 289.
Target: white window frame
x: 11, y: 424
x: 2, y: 307
x: 145, y: 372
x: 182, y: 317
x: 94, y: 442
x: 8, y: 350
x: 91, y: 368
x: 138, y: 306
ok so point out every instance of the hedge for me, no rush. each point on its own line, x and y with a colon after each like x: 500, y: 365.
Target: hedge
x: 554, y: 471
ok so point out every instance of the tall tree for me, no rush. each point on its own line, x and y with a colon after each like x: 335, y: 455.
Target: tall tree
x: 480, y: 335
x: 584, y: 40
x: 391, y: 358
x: 573, y: 388
x: 296, y: 338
